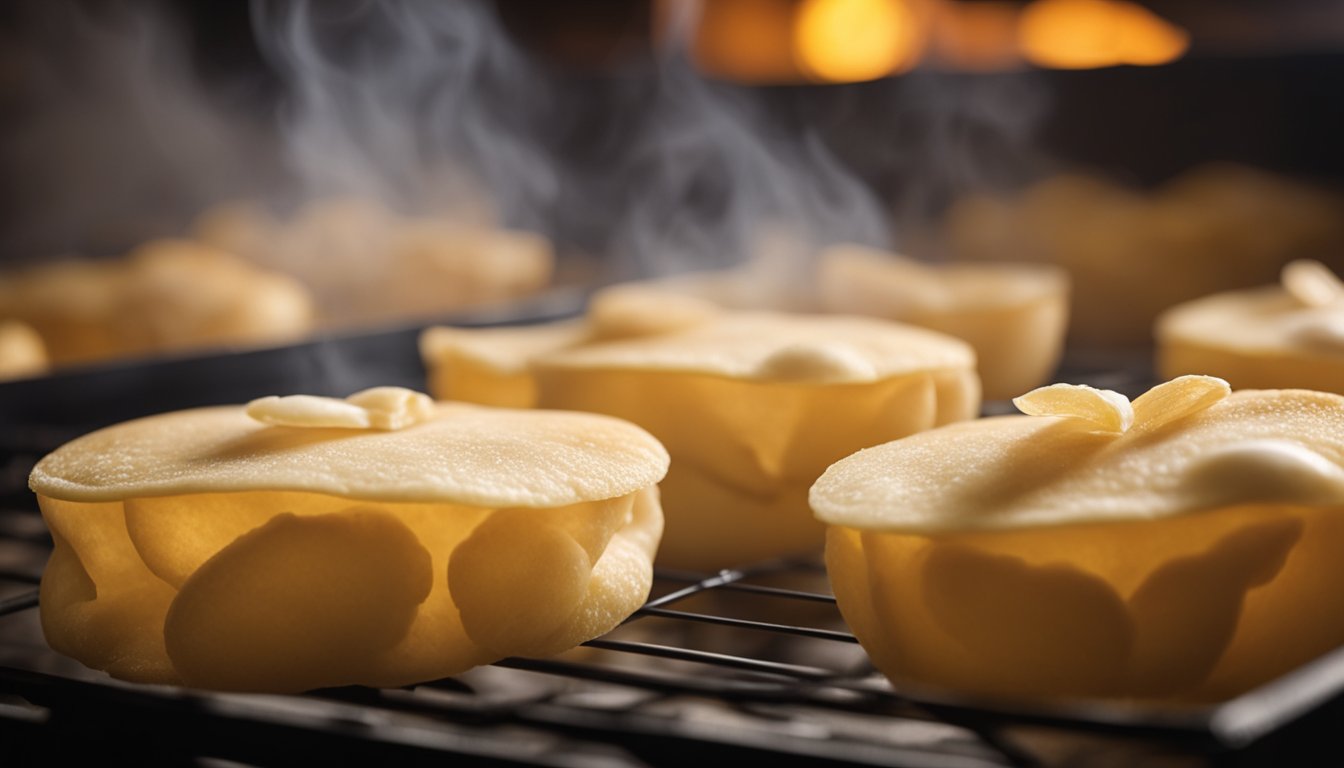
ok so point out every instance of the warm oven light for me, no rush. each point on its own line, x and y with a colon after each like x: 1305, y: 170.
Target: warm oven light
x: 1084, y: 34
x: 851, y: 40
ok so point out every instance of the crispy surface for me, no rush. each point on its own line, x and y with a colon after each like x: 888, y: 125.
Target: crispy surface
x: 1015, y: 471
x: 464, y: 455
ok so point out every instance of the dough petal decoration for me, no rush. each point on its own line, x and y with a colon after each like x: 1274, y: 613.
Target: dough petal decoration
x: 385, y: 408
x: 1312, y: 283
x: 1110, y: 411
x: 1172, y: 400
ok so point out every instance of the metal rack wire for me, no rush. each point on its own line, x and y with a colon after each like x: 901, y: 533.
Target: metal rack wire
x: 744, y: 664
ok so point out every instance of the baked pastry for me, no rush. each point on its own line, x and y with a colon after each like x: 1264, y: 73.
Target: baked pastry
x: 166, y: 295
x: 382, y: 540
x: 365, y: 263
x: 753, y: 407
x: 1181, y: 547
x: 1216, y: 227
x: 1287, y: 335
x: 1013, y: 315
x: 493, y: 366
x: 21, y: 351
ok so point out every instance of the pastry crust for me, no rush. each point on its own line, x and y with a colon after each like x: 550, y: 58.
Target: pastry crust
x: 211, y: 549
x: 466, y: 454
x: 1290, y: 335
x: 754, y: 406
x: 1013, y: 315
x: 1176, y: 548
x: 22, y: 352
x: 165, y: 295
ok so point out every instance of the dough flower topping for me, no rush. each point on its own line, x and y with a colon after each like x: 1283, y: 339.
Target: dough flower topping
x: 385, y: 408
x: 1113, y: 412
x: 1312, y: 283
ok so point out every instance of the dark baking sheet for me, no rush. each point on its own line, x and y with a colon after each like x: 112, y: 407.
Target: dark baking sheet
x: 77, y: 399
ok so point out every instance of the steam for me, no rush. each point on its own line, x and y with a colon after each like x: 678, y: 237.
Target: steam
x: 111, y: 138
x: 947, y: 135
x: 427, y: 107
x: 430, y: 108
x: 715, y: 182
x: 716, y: 179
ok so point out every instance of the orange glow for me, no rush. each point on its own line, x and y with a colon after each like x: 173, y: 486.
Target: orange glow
x: 1069, y: 34
x: 980, y: 36
x: 746, y: 40
x: 851, y: 40
x: 779, y: 41
x: 1082, y: 34
x: 1148, y: 39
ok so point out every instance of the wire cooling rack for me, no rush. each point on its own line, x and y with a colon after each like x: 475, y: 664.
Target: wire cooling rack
x: 744, y: 664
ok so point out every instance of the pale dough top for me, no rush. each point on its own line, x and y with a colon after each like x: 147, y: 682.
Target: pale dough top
x: 1186, y: 446
x: 460, y: 454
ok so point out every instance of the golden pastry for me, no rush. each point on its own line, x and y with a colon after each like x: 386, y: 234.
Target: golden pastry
x: 753, y: 407
x: 1013, y: 315
x: 22, y: 353
x: 1133, y: 253
x: 380, y: 540
x: 167, y: 295
x: 364, y: 262
x: 493, y: 366
x: 1288, y: 335
x: 1183, y: 546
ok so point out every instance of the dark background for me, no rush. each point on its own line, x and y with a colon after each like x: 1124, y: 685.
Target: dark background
x: 1273, y: 98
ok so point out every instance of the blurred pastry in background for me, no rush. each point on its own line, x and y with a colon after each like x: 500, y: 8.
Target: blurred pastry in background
x: 1013, y: 315
x: 22, y: 352
x: 493, y: 366
x: 1132, y: 254
x: 1289, y: 335
x: 249, y: 277
x: 366, y: 263
x: 166, y: 295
